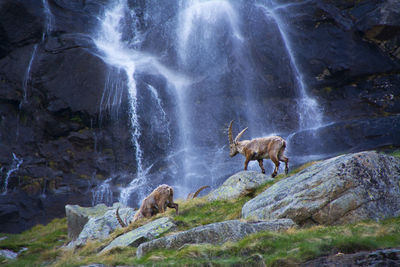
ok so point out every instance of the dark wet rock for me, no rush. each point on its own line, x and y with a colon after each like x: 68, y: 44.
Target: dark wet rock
x: 344, y: 189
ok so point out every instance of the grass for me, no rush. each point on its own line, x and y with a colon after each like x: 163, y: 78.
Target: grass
x: 42, y: 243
x: 275, y: 249
x: 395, y: 153
x: 293, y: 246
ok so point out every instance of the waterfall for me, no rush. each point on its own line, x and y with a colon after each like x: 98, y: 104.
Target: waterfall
x: 27, y: 75
x: 122, y: 61
x: 164, y: 117
x: 49, y: 19
x: 16, y: 163
x: 49, y: 22
x: 201, y: 52
x: 126, y: 60
x: 103, y: 193
x: 308, y: 110
x: 187, y: 69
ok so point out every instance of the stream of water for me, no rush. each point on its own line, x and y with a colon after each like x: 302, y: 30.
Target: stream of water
x: 202, y: 54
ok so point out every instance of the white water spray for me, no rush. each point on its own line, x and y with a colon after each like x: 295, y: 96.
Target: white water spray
x: 199, y: 51
x: 103, y: 193
x: 16, y: 163
x: 308, y: 109
x: 49, y: 19
x: 119, y: 56
x: 27, y: 75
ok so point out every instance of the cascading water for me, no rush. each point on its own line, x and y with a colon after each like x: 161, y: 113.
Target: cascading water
x: 213, y: 76
x: 49, y: 22
x: 122, y: 61
x: 103, y: 193
x: 27, y: 75
x: 16, y: 163
x: 126, y: 61
x: 49, y: 19
x: 209, y: 46
x: 308, y: 109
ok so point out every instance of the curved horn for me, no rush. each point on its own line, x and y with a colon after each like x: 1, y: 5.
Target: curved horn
x: 230, y: 133
x: 240, y: 134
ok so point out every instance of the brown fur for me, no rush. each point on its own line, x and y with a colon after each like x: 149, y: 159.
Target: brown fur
x: 272, y: 147
x: 157, y: 202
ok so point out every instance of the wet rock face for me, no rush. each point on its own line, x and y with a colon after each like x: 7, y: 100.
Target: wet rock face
x: 49, y: 115
x: 344, y: 189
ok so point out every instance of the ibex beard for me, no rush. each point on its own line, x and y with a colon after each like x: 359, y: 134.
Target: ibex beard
x: 157, y: 202
x: 272, y: 147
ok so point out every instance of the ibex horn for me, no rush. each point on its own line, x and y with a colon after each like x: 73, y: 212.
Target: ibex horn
x: 230, y: 133
x: 240, y: 134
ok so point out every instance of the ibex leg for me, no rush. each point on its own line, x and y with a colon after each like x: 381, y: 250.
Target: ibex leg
x: 246, y: 162
x: 260, y: 162
x: 276, y: 162
x: 286, y: 160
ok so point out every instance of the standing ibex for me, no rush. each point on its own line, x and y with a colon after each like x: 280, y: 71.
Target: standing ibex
x: 271, y: 147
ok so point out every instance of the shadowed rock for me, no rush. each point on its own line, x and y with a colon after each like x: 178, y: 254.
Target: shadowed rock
x: 343, y: 189
x: 78, y: 216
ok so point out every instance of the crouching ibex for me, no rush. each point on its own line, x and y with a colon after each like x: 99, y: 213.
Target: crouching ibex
x: 157, y: 202
x: 272, y: 147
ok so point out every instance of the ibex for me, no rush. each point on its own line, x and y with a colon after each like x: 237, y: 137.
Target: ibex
x: 272, y: 147
x: 157, y: 202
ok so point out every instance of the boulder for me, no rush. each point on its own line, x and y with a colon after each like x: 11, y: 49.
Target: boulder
x: 78, y: 216
x: 8, y: 254
x: 101, y: 226
x: 381, y: 257
x: 215, y: 233
x: 142, y: 234
x: 240, y: 184
x: 343, y: 189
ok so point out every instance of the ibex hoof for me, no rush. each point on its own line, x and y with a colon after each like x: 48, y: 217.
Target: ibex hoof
x: 286, y: 171
x: 273, y: 175
x: 263, y: 171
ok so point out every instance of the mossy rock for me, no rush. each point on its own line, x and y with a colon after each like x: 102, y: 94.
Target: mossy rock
x: 240, y: 184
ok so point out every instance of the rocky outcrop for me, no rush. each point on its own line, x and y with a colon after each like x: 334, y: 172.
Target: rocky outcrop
x: 100, y: 222
x: 240, y: 184
x: 381, y: 257
x: 78, y: 216
x: 216, y: 233
x: 142, y: 234
x: 343, y: 189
